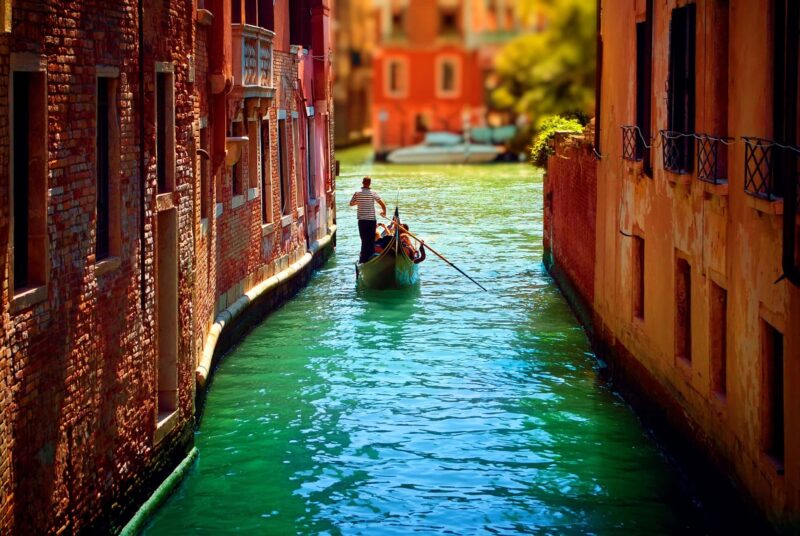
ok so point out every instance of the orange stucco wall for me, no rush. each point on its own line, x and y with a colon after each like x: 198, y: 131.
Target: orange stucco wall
x: 728, y: 238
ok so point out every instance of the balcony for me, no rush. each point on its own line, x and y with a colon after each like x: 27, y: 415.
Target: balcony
x: 677, y: 152
x: 761, y: 169
x: 712, y: 158
x: 252, y: 61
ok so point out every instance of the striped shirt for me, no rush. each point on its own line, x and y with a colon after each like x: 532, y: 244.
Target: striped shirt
x: 366, y: 199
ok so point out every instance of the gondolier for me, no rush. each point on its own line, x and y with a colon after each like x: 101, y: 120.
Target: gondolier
x: 365, y: 200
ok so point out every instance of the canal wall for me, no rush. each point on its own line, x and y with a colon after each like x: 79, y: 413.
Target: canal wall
x: 574, y: 259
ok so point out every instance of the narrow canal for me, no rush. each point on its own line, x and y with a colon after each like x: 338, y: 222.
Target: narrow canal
x: 443, y: 410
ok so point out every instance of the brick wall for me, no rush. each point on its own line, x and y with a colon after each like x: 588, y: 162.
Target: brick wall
x: 80, y: 447
x: 570, y: 192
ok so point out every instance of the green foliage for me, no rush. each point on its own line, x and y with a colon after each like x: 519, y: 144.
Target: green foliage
x: 551, y: 72
x: 541, y: 148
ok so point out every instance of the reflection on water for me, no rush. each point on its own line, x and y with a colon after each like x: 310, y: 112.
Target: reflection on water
x: 436, y: 409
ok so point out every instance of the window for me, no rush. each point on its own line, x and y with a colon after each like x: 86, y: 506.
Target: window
x: 236, y: 171
x: 718, y: 325
x: 310, y: 161
x: 29, y: 182
x: 298, y: 163
x: 250, y: 12
x: 637, y: 274
x: 772, y: 398
x: 397, y: 24
x: 253, y: 157
x: 785, y: 94
x: 167, y: 318
x: 236, y: 11
x: 107, y: 171
x: 448, y: 77
x: 683, y: 309
x: 165, y: 128
x: 205, y: 187
x: 678, y: 153
x: 300, y: 23
x: 644, y: 86
x: 266, y: 14
x: 448, y: 23
x: 396, y: 81
x: 266, y: 174
x: 283, y: 167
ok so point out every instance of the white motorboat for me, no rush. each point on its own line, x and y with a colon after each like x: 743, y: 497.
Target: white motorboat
x: 444, y: 148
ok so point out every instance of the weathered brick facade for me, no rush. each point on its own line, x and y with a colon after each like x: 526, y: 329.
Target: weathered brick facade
x: 570, y: 193
x: 89, y: 425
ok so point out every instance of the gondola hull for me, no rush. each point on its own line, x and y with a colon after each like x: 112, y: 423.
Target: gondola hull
x: 391, y: 269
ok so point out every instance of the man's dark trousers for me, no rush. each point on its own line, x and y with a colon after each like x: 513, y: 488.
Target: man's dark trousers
x: 366, y: 229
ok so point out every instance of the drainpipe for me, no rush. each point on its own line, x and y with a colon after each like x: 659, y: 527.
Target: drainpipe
x: 142, y: 172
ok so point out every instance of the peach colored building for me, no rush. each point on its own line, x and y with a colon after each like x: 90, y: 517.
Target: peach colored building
x: 696, y: 282
x: 432, y: 64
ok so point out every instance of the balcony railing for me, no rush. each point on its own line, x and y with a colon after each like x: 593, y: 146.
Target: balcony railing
x: 759, y: 169
x: 631, y: 143
x: 712, y: 158
x: 677, y: 149
x: 252, y: 60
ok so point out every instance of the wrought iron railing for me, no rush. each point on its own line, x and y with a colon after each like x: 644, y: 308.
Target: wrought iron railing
x: 677, y: 151
x: 252, y: 57
x: 712, y: 158
x: 631, y: 143
x: 759, y: 172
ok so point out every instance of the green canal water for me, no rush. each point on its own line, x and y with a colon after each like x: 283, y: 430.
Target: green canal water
x: 440, y: 410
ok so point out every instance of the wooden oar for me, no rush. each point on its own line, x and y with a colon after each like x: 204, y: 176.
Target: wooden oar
x: 443, y: 258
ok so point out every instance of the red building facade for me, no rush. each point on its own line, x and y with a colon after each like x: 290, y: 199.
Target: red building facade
x: 158, y: 162
x: 433, y: 64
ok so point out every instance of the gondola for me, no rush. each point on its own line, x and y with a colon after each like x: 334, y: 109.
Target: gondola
x: 392, y: 268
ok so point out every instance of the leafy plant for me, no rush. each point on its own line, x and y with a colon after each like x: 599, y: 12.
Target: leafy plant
x: 550, y: 72
x: 542, y: 148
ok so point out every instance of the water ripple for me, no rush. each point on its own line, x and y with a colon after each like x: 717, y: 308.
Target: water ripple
x: 436, y: 410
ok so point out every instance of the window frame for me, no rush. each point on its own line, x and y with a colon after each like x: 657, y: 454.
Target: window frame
x: 401, y: 89
x: 455, y: 62
x: 111, y: 259
x: 37, y: 277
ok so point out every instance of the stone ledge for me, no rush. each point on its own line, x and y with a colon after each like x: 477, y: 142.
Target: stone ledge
x: 107, y: 265
x: 765, y: 206
x: 28, y: 298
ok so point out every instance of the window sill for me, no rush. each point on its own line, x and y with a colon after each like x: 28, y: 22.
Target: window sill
x: 267, y: 229
x: 165, y: 424
x: 300, y: 212
x: 204, y: 226
x: 286, y: 221
x: 237, y: 201
x: 773, y: 208
x: 28, y: 297
x: 719, y: 189
x: 218, y: 210
x: 675, y: 177
x: 109, y: 264
x: 252, y: 193
x: 204, y: 17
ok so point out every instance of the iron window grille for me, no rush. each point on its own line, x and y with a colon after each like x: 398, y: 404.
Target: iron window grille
x: 711, y: 151
x: 677, y: 150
